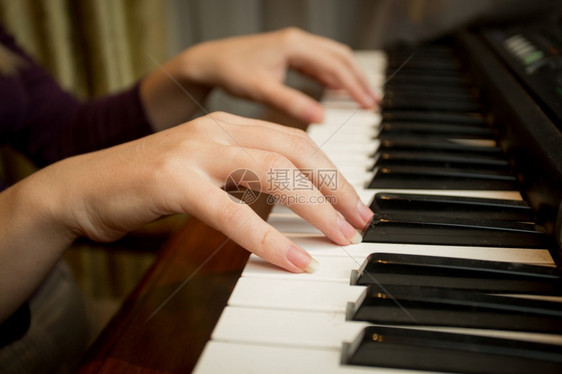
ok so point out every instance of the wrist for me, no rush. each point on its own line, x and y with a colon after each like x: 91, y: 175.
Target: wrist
x: 197, y: 65
x: 170, y: 95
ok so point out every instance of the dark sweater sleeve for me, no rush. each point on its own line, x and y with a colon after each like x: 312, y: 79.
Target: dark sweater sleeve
x: 56, y: 125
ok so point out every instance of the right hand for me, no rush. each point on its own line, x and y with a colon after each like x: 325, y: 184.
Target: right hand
x: 181, y: 170
x: 105, y: 194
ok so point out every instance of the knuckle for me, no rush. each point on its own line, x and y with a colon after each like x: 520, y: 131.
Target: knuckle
x: 197, y: 126
x: 291, y: 35
x: 300, y: 143
x: 168, y: 163
x: 346, y: 50
x: 276, y: 161
x: 291, y: 31
x: 231, y: 215
x: 267, y: 237
x: 218, y: 115
x: 344, y: 187
x: 297, y: 132
x: 265, y: 243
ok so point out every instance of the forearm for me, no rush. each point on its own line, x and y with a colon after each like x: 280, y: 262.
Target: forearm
x: 33, y: 240
x: 169, y: 97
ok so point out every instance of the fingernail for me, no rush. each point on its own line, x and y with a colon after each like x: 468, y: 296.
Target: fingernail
x: 365, y: 213
x: 348, y: 231
x: 301, y: 259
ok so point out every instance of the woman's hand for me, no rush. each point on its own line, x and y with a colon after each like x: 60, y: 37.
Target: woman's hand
x: 184, y: 169
x: 254, y: 67
x: 105, y: 194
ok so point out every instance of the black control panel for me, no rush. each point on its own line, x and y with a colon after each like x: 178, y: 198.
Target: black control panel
x: 533, y: 51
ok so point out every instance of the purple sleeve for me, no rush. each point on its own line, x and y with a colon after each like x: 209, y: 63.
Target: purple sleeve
x: 55, y: 125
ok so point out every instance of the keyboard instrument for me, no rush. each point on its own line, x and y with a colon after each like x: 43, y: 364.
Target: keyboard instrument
x: 459, y: 269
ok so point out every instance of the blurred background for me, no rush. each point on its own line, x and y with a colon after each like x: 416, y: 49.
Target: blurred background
x: 98, y: 46
x: 95, y: 47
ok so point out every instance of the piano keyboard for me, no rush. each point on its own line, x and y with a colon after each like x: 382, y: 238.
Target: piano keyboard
x: 278, y: 322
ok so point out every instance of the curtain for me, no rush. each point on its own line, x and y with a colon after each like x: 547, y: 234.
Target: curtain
x: 98, y: 46
x: 92, y: 47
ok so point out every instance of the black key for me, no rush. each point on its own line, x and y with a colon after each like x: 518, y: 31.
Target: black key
x: 417, y: 64
x: 441, y: 178
x: 458, y: 273
x: 452, y: 206
x: 440, y: 160
x: 441, y: 117
x: 438, y: 145
x: 427, y: 104
x: 412, y: 91
x: 398, y: 85
x: 430, y: 350
x: 433, y: 95
x: 439, y: 306
x: 424, y: 69
x: 416, y: 229
x: 430, y: 80
x: 425, y: 64
x: 389, y: 130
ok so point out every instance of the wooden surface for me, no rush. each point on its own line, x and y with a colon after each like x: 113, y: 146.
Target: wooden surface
x: 166, y: 321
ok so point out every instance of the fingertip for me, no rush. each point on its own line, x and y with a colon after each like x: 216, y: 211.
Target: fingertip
x: 312, y: 113
x: 371, y: 100
x: 295, y: 103
x: 365, y: 212
x: 312, y: 266
x: 301, y: 259
x: 349, y: 232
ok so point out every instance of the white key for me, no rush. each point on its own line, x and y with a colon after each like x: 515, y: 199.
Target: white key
x: 331, y: 269
x: 323, y: 330
x: 292, y: 294
x: 336, y: 262
x: 321, y: 248
x: 292, y: 223
x: 233, y: 358
x: 288, y: 328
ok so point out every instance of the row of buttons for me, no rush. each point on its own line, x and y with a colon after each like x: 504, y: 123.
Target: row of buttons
x: 525, y: 51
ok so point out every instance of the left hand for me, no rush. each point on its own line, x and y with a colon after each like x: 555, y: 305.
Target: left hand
x: 255, y: 67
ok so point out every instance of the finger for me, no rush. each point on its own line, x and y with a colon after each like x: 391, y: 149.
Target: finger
x: 335, y: 66
x: 346, y: 55
x: 280, y: 177
x: 300, y: 150
x: 241, y: 224
x: 290, y: 100
x: 338, y: 73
